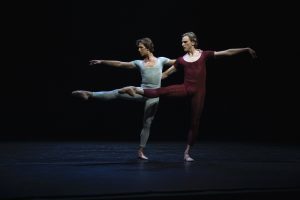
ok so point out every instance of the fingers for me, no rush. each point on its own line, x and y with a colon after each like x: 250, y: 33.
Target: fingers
x: 93, y: 62
x: 128, y: 90
x: 252, y: 53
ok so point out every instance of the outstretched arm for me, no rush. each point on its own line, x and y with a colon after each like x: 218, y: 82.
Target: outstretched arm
x: 113, y: 63
x: 232, y: 52
x: 168, y: 72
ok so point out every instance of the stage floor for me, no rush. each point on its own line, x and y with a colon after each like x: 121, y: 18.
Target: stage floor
x: 111, y: 170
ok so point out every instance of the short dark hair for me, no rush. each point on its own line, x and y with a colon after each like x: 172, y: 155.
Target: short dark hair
x: 147, y: 42
x: 192, y: 37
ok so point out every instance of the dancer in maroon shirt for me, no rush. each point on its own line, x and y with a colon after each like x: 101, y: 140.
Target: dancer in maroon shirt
x: 194, y: 66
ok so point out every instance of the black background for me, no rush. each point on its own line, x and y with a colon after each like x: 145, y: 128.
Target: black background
x: 50, y: 46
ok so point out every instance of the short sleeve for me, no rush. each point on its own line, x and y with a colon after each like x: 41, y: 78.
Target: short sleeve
x: 137, y: 64
x: 177, y: 64
x: 209, y: 54
x: 164, y: 60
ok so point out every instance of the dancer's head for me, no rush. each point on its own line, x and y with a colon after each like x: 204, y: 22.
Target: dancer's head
x: 189, y: 41
x: 145, y: 46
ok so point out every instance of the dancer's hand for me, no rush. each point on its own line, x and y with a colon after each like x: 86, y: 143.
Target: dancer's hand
x: 129, y: 90
x: 164, y: 75
x: 94, y: 62
x: 252, y: 53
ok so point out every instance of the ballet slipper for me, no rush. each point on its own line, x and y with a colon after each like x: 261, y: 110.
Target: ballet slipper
x: 187, y: 158
x: 85, y: 95
x: 142, y: 156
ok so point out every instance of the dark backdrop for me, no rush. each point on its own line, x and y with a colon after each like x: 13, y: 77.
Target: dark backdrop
x: 55, y: 43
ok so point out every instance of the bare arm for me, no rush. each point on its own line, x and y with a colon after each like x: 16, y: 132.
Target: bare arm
x: 171, y: 62
x: 168, y: 72
x: 232, y: 52
x: 113, y: 63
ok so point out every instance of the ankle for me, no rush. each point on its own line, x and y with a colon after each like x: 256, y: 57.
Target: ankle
x: 142, y: 156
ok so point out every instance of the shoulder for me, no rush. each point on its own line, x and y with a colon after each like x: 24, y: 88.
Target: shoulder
x: 137, y: 63
x: 179, y: 61
x: 162, y: 58
x: 208, y: 53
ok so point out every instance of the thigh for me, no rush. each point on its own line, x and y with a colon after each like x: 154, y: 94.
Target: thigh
x: 173, y: 91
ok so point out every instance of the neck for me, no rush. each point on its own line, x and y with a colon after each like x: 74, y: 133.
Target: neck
x: 192, y: 51
x: 149, y: 57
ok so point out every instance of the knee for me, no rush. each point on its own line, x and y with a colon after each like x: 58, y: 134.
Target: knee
x: 148, y: 122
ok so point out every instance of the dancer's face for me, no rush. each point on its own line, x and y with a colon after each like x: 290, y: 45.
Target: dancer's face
x: 143, y: 50
x: 187, y: 44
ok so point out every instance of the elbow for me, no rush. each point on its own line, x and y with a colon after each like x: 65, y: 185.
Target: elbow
x: 119, y: 64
